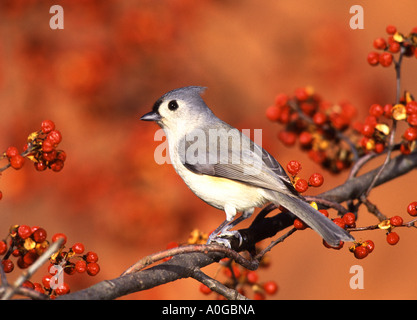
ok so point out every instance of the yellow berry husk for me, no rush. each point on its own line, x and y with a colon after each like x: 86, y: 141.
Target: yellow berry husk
x: 398, y: 37
x: 314, y: 205
x: 383, y: 128
x: 399, y: 112
x: 385, y: 225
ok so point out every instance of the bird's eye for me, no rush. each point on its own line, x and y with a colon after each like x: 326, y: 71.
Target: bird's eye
x: 173, y: 105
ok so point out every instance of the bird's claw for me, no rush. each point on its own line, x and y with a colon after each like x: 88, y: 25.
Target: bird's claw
x: 218, y: 238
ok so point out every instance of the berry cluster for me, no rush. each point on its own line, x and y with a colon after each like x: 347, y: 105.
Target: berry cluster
x: 242, y: 279
x: 375, y: 131
x: 394, y: 43
x: 300, y: 184
x: 41, y: 148
x: 362, y: 249
x: 317, y: 124
x: 27, y: 244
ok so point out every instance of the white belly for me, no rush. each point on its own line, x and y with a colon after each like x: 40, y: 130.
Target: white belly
x: 220, y: 192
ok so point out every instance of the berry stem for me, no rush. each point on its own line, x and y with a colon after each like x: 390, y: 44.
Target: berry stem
x: 217, y: 286
x: 390, y: 146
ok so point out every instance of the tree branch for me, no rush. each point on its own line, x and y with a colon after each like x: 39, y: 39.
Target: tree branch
x: 184, y: 265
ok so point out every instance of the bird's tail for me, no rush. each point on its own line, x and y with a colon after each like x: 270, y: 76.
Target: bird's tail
x: 327, y: 229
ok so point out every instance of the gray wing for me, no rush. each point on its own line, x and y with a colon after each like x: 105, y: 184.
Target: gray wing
x: 225, y: 152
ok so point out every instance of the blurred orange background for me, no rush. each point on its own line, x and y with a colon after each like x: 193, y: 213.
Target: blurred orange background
x: 113, y: 59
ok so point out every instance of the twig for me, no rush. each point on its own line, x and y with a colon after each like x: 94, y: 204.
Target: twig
x: 11, y: 290
x: 259, y: 256
x: 217, y: 286
x: 204, y: 248
x: 391, y: 137
x: 373, y: 208
x: 327, y: 203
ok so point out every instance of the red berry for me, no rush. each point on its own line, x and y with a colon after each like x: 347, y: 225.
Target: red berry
x: 78, y: 248
x: 258, y: 296
x: 54, y: 137
x: 391, y: 29
x: 299, y: 225
x: 388, y: 110
x: 349, y: 219
x: 294, y: 167
x: 305, y: 138
x: 301, y: 185
x: 46, y: 281
x: 47, y: 126
x: 39, y: 235
x: 412, y: 208
x: 368, y: 130
x: 204, y: 289
x: 24, y: 231
x: 57, y: 165
x: 40, y: 165
x: 393, y: 238
x: 380, y: 43
x: 379, y: 147
x: 3, y: 247
x: 61, y: 155
x: 319, y: 118
x: 47, y: 146
x: 69, y: 268
x: 30, y: 257
x: 8, y: 265
x: 385, y: 59
x: 81, y: 266
x: 339, y: 222
x: 11, y: 152
x: 410, y: 134
x: 373, y: 58
x: 412, y: 119
x: 341, y: 243
x: 38, y: 287
x: 394, y: 47
x: 324, y: 212
x: 287, y: 137
x: 405, y: 148
x: 28, y: 284
x: 301, y: 94
x: 56, y: 236
x: 396, y: 221
x: 270, y: 287
x: 17, y: 161
x: 93, y: 268
x: 360, y: 252
x: 369, y: 245
x: 273, y: 113
x: 281, y: 99
x: 411, y: 107
x: 49, y: 156
x: 252, y: 277
x: 376, y: 110
x: 62, y: 289
x: 91, y: 257
x: 316, y: 180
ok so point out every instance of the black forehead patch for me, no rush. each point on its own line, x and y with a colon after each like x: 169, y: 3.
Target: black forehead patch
x: 156, y: 105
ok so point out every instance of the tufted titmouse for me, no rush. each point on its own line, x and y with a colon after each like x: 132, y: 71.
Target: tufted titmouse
x: 226, y: 169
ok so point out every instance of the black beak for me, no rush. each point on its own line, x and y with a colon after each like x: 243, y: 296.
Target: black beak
x: 151, y: 116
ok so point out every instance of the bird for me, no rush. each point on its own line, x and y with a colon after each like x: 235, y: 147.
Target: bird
x: 226, y: 169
